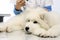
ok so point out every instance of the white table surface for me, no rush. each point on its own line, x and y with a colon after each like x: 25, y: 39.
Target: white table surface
x: 19, y: 35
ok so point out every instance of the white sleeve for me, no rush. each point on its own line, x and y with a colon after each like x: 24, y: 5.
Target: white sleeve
x: 31, y: 3
x: 48, y: 2
x: 13, y: 1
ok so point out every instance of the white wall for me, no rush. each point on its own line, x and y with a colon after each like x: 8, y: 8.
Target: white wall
x: 56, y: 5
x: 6, y: 8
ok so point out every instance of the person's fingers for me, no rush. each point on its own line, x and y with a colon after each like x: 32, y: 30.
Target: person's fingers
x: 18, y: 0
x: 22, y: 3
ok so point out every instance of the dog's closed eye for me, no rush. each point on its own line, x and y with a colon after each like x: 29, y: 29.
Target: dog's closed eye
x: 28, y: 20
x: 35, y: 22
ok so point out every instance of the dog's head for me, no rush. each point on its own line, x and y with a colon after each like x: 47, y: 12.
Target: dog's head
x: 31, y: 25
x: 34, y: 20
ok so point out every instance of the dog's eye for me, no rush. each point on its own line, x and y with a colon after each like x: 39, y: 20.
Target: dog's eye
x: 35, y: 22
x: 28, y: 20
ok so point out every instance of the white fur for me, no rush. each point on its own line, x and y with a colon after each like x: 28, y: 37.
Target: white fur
x: 15, y: 23
x: 48, y: 23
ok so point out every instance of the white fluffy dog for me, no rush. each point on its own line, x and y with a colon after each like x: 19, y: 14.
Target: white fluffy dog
x: 36, y: 21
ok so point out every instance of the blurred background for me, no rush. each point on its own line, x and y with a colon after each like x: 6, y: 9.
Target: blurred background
x: 7, y: 6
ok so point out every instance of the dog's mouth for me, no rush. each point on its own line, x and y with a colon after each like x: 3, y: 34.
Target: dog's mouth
x: 28, y: 32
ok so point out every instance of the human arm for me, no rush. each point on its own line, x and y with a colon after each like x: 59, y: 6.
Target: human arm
x: 17, y: 7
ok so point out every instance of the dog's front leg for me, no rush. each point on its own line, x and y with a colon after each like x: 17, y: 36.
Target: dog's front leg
x: 13, y: 28
x: 39, y: 32
x: 54, y: 31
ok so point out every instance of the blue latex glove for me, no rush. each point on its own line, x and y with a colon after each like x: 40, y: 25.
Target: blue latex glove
x: 49, y: 8
x: 17, y: 11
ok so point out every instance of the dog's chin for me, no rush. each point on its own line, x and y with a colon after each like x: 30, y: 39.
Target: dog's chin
x: 28, y: 32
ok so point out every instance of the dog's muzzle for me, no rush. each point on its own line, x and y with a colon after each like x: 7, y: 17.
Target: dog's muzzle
x: 27, y: 28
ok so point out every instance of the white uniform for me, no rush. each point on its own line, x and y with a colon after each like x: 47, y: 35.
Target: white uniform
x: 40, y: 3
x: 36, y: 3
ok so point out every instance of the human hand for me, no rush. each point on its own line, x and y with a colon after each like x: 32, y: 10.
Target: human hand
x: 19, y: 4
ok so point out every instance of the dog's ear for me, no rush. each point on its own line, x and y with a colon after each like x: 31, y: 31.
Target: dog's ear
x: 43, y: 24
x: 42, y: 16
x: 41, y: 12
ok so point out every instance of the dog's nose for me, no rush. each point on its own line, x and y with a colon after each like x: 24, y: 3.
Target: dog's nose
x: 27, y: 28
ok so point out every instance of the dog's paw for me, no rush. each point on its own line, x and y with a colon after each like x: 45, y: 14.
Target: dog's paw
x: 2, y: 29
x: 39, y: 32
x: 50, y: 34
x: 9, y: 29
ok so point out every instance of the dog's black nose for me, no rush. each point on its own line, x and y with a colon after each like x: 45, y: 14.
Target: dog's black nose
x: 27, y: 28
x: 26, y: 0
